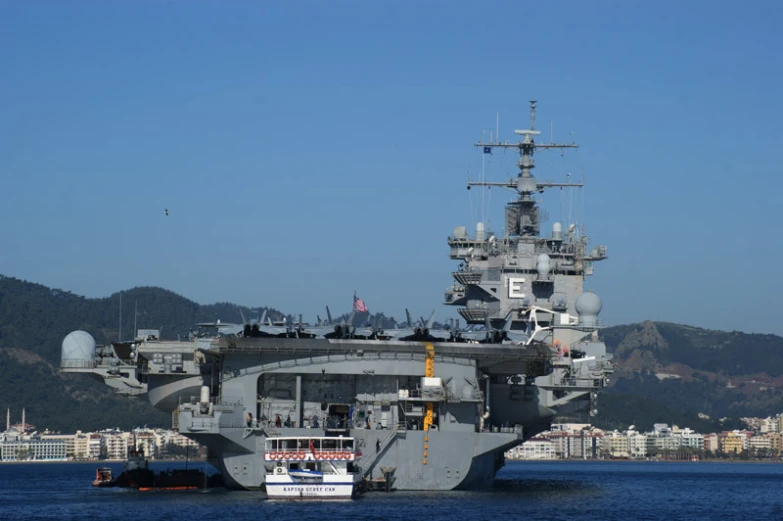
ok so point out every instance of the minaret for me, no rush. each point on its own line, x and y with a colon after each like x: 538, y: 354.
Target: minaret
x: 8, y: 420
x: 24, y: 425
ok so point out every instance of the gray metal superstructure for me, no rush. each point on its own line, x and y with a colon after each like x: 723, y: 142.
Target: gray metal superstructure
x: 428, y: 413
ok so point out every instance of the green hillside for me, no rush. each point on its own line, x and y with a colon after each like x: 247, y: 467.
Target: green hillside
x: 671, y: 373
x: 34, y: 319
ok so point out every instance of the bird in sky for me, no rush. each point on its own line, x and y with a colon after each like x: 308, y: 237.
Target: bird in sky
x: 167, y: 211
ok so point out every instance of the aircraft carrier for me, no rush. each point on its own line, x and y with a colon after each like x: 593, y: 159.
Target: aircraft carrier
x: 431, y: 409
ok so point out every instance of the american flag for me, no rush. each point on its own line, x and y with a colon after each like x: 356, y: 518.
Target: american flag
x: 358, y: 305
x: 312, y: 447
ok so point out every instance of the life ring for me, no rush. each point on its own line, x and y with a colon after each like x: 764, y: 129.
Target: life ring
x: 287, y: 455
x: 330, y: 455
x: 302, y: 455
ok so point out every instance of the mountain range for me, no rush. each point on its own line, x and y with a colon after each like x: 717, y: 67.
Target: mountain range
x: 665, y: 373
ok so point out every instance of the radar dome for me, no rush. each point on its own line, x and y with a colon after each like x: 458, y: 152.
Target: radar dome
x: 78, y: 346
x: 588, y: 305
x: 557, y: 231
x: 542, y: 264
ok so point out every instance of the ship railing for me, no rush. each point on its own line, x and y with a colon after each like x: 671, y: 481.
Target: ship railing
x: 411, y: 425
x: 505, y: 429
x: 573, y: 381
x: 77, y: 364
x: 426, y: 395
x: 202, y: 424
x: 211, y: 422
x: 595, y: 366
x: 193, y: 400
x: 368, y: 464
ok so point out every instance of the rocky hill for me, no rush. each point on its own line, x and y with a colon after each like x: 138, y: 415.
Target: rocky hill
x: 673, y: 372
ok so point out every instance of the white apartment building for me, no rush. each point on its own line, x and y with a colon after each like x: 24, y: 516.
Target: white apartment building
x: 115, y: 444
x: 69, y: 439
x: 81, y: 445
x: 691, y: 439
x: 16, y: 446
x: 94, y: 445
x: 535, y: 449
x: 757, y: 443
x: 615, y: 445
x: 637, y: 445
x: 769, y: 424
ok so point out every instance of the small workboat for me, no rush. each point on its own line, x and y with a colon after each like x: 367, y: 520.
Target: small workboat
x: 103, y: 478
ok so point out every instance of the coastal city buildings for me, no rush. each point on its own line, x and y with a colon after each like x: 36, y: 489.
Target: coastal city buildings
x: 21, y: 442
x: 763, y: 439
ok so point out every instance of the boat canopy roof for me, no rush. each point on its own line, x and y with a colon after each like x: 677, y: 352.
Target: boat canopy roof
x: 314, y: 438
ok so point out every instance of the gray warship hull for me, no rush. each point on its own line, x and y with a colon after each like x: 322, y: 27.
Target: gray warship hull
x: 230, y: 394
x: 369, y: 390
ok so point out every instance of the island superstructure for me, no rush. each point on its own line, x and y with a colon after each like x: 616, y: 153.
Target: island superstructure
x: 428, y: 410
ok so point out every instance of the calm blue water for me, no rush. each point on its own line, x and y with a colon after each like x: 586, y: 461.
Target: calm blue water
x: 542, y: 491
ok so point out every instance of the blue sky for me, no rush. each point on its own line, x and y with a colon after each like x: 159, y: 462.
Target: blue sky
x: 309, y: 149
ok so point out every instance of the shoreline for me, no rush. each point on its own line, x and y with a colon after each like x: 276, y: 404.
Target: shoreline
x: 622, y: 460
x: 100, y: 462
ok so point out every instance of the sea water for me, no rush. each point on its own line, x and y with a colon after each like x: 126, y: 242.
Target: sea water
x: 565, y: 491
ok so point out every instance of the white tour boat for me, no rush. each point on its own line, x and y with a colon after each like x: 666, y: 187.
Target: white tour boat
x: 312, y: 468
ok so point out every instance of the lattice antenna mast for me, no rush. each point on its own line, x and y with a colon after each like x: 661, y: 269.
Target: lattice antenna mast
x: 522, y: 214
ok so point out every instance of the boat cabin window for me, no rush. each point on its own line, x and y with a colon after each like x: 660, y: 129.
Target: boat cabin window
x: 300, y: 445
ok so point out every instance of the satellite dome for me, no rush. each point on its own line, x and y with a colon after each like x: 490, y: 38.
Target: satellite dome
x: 557, y: 231
x: 542, y: 264
x: 78, y: 346
x: 588, y: 305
